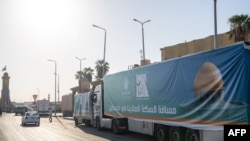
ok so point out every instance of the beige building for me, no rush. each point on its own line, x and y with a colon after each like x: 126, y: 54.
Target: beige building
x: 195, y: 46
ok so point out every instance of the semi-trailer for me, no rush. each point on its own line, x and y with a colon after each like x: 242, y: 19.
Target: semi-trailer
x: 188, y: 98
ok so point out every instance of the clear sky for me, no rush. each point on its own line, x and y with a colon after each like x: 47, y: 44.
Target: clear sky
x: 33, y: 31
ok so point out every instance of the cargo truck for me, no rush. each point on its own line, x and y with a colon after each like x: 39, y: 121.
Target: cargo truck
x: 67, y: 105
x: 83, y: 112
x: 20, y: 110
x: 189, y: 98
x: 43, y: 107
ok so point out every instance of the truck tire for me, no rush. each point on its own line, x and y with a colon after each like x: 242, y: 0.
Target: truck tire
x: 175, y: 134
x: 88, y: 123
x: 192, y: 135
x: 98, y: 124
x: 76, y: 122
x: 115, y: 126
x: 161, y: 133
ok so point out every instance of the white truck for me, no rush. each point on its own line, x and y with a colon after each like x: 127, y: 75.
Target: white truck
x: 43, y: 106
x: 189, y: 98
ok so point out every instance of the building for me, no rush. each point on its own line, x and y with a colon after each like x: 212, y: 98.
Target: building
x: 195, y: 46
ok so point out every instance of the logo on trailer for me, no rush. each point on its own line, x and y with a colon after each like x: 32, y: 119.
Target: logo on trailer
x: 126, y: 83
x: 141, y: 88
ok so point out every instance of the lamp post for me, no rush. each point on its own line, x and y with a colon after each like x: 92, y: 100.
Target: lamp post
x: 37, y: 97
x: 80, y: 79
x: 215, y: 25
x: 50, y: 107
x: 143, y: 49
x: 104, y: 48
x: 55, y: 83
x: 58, y: 90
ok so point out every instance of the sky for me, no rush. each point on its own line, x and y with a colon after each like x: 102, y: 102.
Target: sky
x: 33, y: 31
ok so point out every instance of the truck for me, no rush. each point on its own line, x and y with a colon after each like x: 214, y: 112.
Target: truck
x: 43, y: 106
x: 20, y: 109
x: 189, y: 98
x: 67, y: 105
x: 83, y: 111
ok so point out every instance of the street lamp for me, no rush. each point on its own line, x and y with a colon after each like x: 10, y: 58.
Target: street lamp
x: 37, y: 94
x: 58, y: 90
x: 104, y: 47
x: 215, y: 25
x: 80, y: 82
x: 142, y: 23
x: 55, y: 83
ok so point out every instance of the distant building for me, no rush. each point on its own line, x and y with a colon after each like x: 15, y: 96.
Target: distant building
x: 195, y: 46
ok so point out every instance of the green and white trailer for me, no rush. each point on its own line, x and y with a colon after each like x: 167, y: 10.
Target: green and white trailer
x: 83, y: 109
x: 188, y: 98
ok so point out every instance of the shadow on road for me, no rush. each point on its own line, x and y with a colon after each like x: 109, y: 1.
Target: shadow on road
x: 108, y: 134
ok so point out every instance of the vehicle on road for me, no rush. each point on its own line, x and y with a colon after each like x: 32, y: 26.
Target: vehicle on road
x: 43, y: 106
x: 186, y: 98
x: 67, y: 105
x: 31, y: 117
x: 20, y: 110
x: 83, y: 112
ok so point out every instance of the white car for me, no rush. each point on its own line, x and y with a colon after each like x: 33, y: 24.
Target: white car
x: 31, y: 117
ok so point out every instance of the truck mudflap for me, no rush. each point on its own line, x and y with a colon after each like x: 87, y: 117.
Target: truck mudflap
x: 119, y: 125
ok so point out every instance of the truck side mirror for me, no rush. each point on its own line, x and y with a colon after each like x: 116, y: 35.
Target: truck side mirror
x: 94, y: 97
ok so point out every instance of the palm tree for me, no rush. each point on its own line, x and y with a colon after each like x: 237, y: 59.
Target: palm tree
x: 99, y: 68
x: 78, y: 75
x: 240, y: 26
x: 87, y: 73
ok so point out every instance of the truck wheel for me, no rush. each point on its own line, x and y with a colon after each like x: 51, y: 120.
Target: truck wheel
x: 175, y: 134
x: 76, y: 122
x: 98, y: 124
x: 88, y: 123
x: 161, y: 133
x: 192, y: 135
x: 115, y: 126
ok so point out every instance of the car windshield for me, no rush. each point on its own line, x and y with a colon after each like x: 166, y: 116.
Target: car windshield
x: 31, y: 113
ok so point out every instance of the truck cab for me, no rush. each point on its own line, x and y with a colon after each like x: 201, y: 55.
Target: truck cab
x: 20, y: 110
x: 117, y: 124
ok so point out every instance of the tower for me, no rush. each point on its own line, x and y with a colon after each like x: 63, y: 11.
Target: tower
x: 35, y: 97
x: 5, y: 94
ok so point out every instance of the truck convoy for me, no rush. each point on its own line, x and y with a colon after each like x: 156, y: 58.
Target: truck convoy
x: 188, y: 98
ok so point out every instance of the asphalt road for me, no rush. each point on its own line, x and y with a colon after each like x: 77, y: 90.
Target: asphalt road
x: 60, y: 129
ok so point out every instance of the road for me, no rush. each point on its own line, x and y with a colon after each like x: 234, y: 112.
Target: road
x: 61, y: 129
